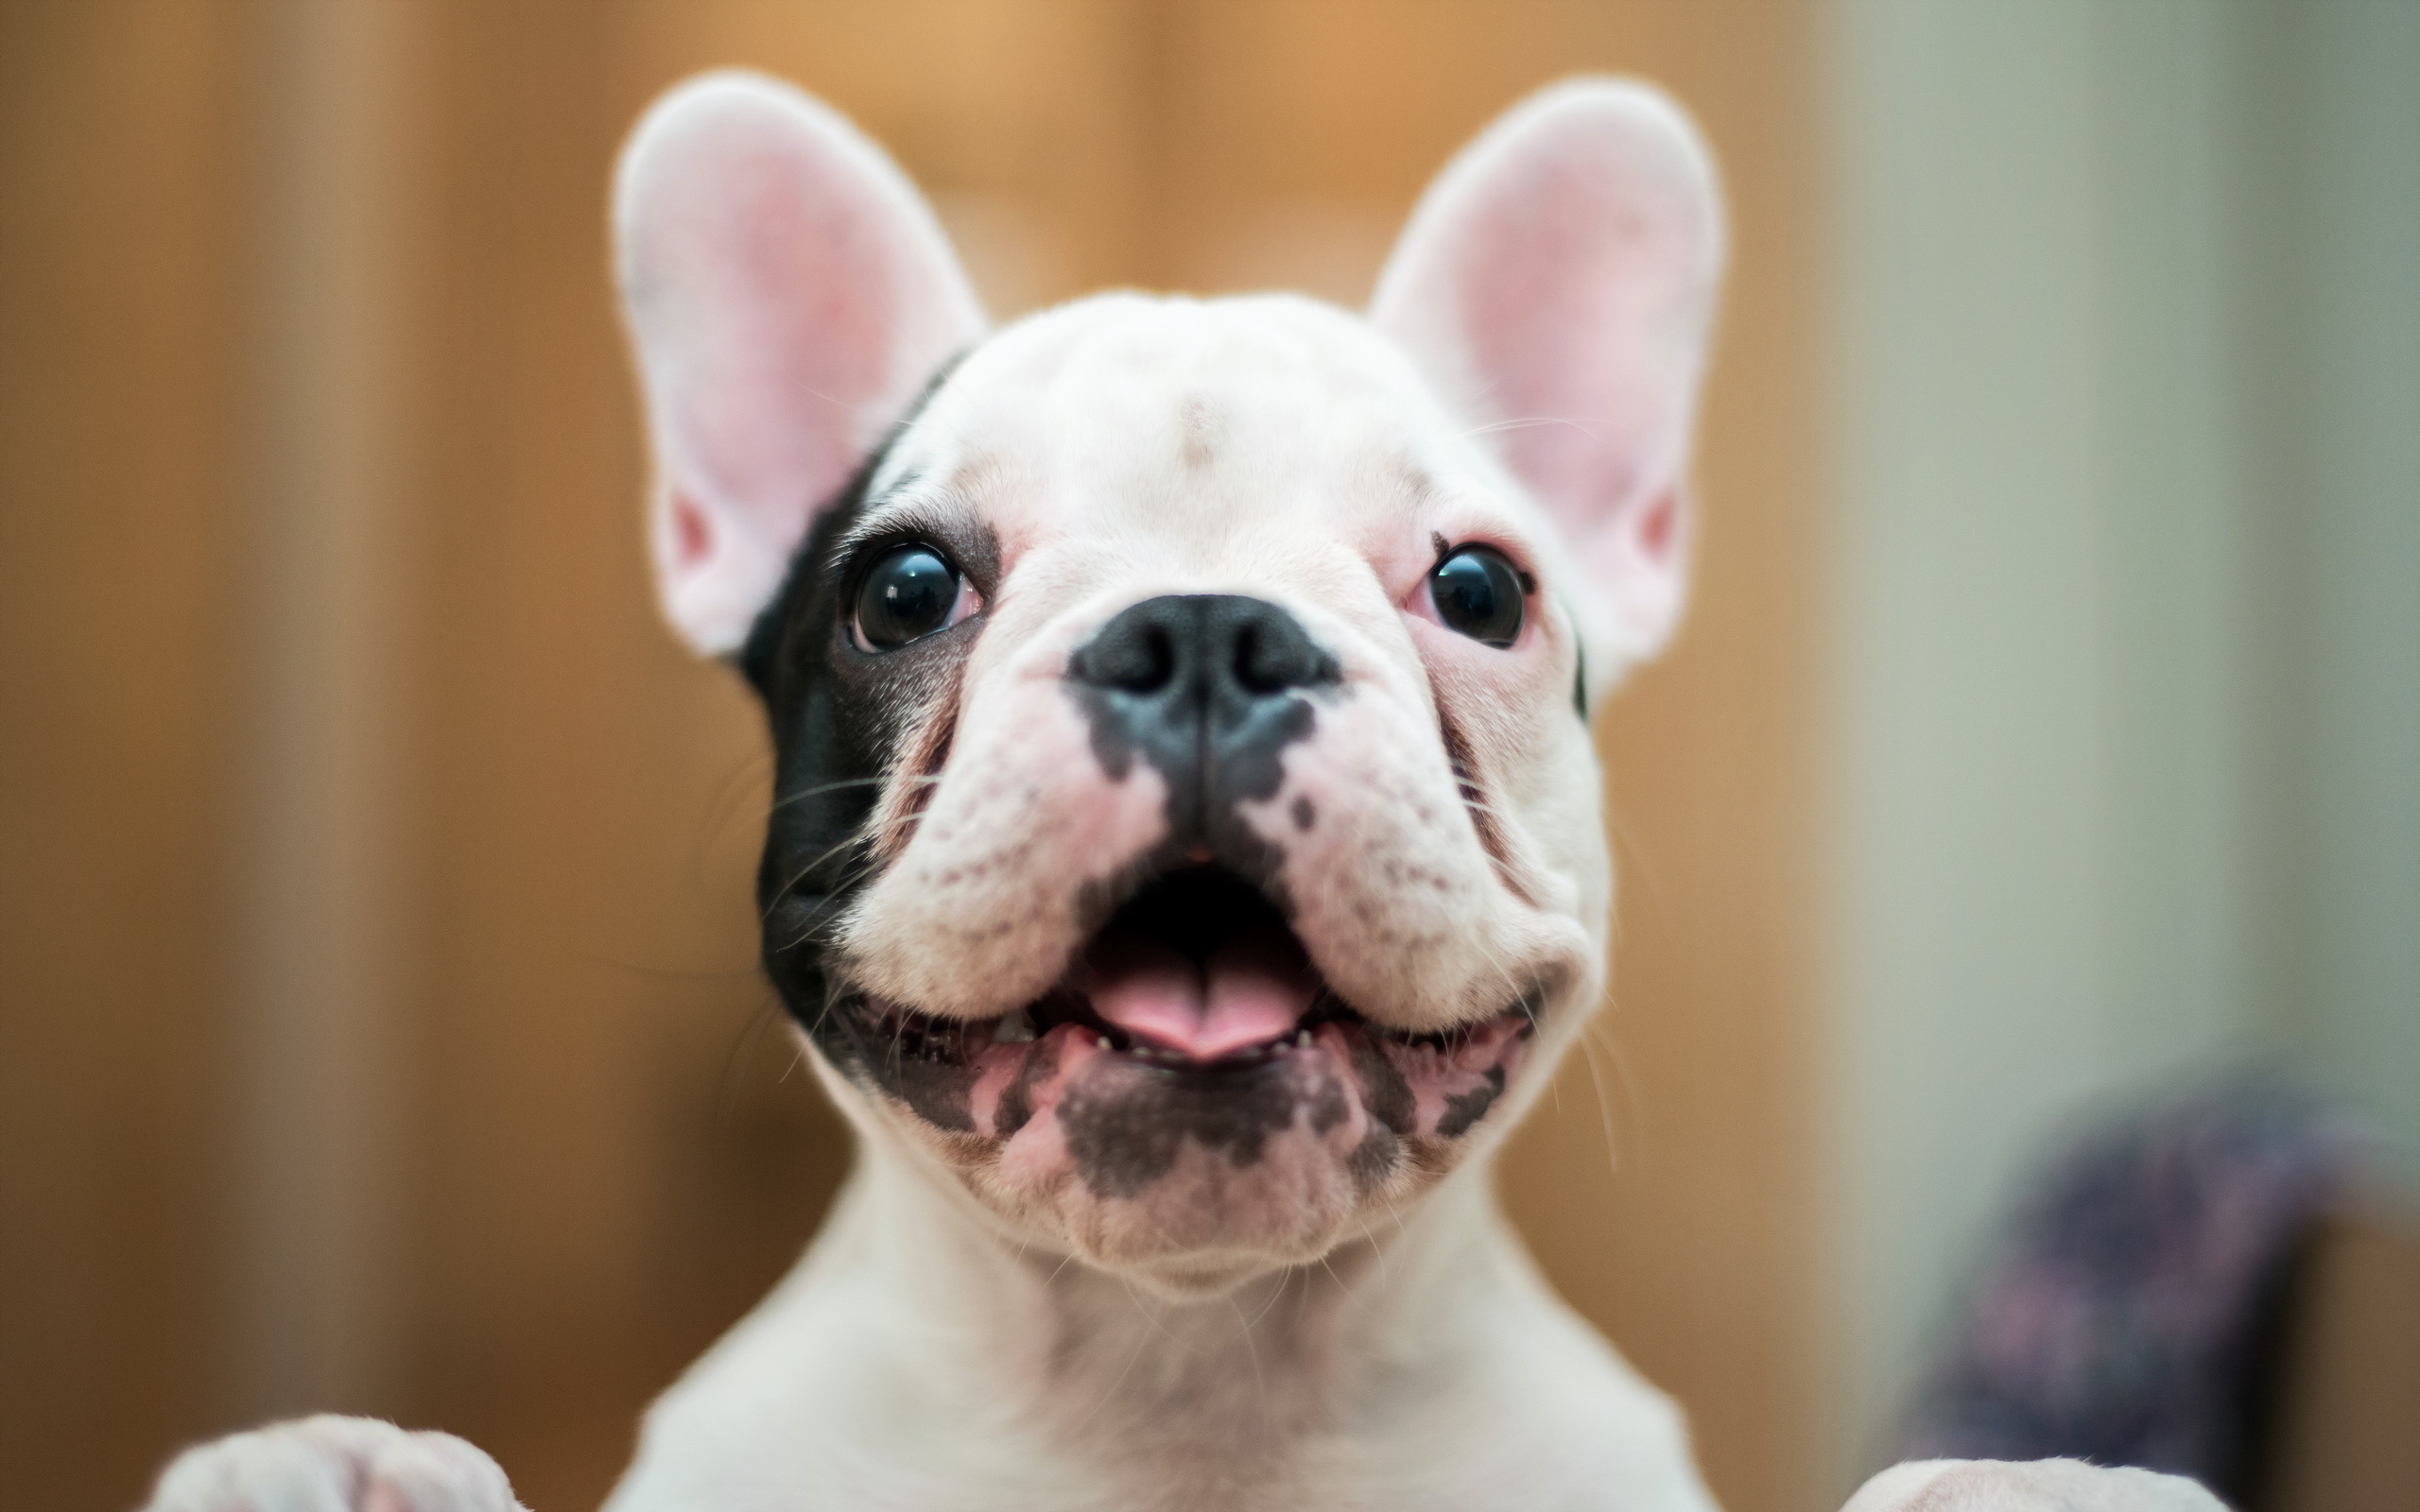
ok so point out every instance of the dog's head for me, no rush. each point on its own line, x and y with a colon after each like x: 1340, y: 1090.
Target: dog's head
x: 1185, y: 836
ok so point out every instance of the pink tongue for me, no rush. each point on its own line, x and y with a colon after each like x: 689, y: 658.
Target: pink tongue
x: 1246, y: 993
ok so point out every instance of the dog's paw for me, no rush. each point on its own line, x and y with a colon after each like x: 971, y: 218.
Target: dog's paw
x: 330, y: 1464
x: 2034, y: 1486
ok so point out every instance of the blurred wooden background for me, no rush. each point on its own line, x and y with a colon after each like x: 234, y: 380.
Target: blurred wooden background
x: 378, y: 1026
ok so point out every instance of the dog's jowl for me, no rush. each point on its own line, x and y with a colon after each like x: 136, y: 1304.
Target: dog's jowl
x: 1185, y: 861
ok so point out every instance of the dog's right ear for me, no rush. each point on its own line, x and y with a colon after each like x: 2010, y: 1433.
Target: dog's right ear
x: 789, y: 293
x: 1557, y: 285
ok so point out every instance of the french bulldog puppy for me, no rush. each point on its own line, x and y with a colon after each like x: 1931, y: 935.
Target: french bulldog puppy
x: 1184, y: 862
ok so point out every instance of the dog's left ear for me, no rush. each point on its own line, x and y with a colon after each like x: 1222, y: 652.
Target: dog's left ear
x: 788, y: 294
x: 1557, y: 283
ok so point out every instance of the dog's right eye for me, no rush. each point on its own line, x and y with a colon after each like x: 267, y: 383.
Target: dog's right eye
x: 909, y: 593
x: 1478, y: 594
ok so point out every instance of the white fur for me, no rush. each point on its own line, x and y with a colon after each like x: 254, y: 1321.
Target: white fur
x: 328, y: 1464
x: 2041, y: 1485
x: 909, y: 1364
x: 973, y: 1329
x: 1326, y: 473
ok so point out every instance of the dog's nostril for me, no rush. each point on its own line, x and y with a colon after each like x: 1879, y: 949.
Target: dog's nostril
x: 1134, y: 664
x: 1156, y: 666
x: 1272, y: 663
x: 1248, y: 658
x: 1207, y: 642
x: 1138, y: 662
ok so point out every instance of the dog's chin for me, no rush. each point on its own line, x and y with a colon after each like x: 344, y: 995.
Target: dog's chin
x: 1191, y: 1104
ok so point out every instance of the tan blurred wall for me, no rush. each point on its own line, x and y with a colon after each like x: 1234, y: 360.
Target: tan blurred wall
x: 122, y: 242
x: 381, y: 1029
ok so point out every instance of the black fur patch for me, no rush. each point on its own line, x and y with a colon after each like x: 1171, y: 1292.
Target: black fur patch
x: 938, y: 1091
x: 1466, y: 1108
x: 1375, y: 1157
x: 838, y: 716
x: 1125, y: 1139
x: 1389, y: 1094
x: 932, y: 1077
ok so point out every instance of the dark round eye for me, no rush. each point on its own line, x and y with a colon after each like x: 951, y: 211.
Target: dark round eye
x: 908, y: 592
x: 1480, y: 593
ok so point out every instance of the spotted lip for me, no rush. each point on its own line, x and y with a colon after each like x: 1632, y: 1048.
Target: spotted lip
x: 909, y: 1034
x: 983, y: 1075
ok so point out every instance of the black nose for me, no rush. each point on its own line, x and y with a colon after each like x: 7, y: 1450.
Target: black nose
x: 1206, y: 687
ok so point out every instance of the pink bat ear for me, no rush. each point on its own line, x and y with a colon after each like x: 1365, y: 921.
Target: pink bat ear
x: 788, y: 294
x: 1557, y: 283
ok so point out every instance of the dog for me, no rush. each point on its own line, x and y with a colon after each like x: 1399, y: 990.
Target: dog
x: 1186, y: 860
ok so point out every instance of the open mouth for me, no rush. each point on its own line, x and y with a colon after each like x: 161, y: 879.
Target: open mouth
x: 1198, y: 970
x: 1197, y: 1014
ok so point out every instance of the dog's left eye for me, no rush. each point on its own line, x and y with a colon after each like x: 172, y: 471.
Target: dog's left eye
x: 909, y: 593
x: 1478, y: 594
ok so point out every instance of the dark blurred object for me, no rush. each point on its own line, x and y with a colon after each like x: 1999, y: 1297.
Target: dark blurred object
x: 2140, y: 1306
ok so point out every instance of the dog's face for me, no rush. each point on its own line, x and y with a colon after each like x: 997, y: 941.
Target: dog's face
x: 1186, y: 838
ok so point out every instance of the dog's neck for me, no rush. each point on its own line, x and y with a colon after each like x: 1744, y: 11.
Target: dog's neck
x: 1262, y: 1377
